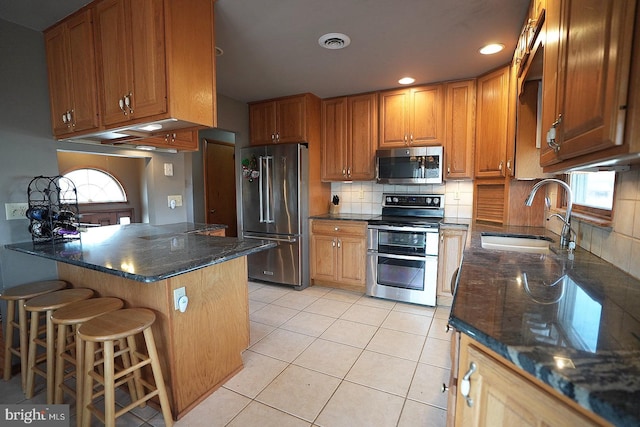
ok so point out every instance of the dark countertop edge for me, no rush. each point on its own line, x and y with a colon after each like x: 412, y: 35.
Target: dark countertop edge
x: 345, y: 217
x: 515, y: 357
x: 151, y: 279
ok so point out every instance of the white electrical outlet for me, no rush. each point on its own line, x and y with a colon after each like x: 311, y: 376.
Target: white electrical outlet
x: 168, y: 169
x: 174, y: 201
x: 16, y: 210
x: 177, y: 294
x: 361, y: 194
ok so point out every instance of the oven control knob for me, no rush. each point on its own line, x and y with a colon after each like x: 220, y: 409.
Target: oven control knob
x: 388, y: 199
x: 436, y: 201
x: 428, y: 200
x: 395, y: 200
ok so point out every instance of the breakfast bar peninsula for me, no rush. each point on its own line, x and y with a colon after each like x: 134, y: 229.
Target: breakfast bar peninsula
x: 144, y: 265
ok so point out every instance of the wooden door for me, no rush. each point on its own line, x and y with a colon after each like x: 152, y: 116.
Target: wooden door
x: 114, y: 53
x: 220, y: 185
x: 394, y: 118
x: 595, y: 49
x: 426, y: 116
x: 491, y: 126
x: 352, y: 260
x: 334, y: 139
x: 83, y: 72
x: 59, y: 79
x: 323, y: 257
x: 363, y: 136
x: 262, y: 123
x: 291, y: 119
x: 148, y: 68
x: 460, y: 114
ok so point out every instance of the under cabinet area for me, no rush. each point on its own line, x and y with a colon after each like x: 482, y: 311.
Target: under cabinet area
x: 283, y: 120
x: 338, y: 254
x: 490, y: 392
x: 349, y: 127
x: 72, y: 75
x: 183, y: 140
x: 452, y: 241
x: 412, y: 117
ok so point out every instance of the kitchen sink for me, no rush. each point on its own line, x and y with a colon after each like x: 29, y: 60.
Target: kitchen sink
x: 516, y: 242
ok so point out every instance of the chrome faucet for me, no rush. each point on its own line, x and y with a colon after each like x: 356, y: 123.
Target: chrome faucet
x: 565, y: 235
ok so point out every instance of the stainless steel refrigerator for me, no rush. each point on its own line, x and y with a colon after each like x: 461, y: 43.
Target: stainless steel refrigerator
x: 275, y: 206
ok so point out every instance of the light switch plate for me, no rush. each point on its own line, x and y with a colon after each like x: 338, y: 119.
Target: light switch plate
x: 168, y: 169
x: 16, y: 210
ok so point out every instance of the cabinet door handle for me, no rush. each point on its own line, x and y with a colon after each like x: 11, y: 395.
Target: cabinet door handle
x: 339, y: 243
x: 128, y: 102
x: 277, y: 136
x: 449, y: 170
x: 349, y: 172
x: 551, y: 134
x: 405, y: 139
x: 509, y: 165
x: 411, y: 139
x: 64, y: 117
x: 500, y: 166
x: 273, y: 137
x: 121, y: 104
x: 70, y: 118
x: 465, y: 384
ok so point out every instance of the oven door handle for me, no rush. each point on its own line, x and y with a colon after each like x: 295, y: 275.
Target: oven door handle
x: 407, y: 257
x: 403, y: 228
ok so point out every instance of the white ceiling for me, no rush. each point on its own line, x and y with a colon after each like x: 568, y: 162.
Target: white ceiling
x: 271, y: 46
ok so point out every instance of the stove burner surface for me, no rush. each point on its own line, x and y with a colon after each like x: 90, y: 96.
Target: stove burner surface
x: 406, y: 220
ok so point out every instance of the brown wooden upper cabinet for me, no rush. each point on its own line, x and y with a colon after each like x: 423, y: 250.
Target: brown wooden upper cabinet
x: 412, y: 116
x: 460, y: 128
x: 492, y: 127
x: 586, y: 77
x: 72, y: 75
x: 282, y: 120
x: 349, y: 128
x: 145, y: 51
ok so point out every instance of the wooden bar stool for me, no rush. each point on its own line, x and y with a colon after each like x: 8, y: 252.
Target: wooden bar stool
x: 47, y: 304
x: 67, y: 320
x: 107, y: 329
x: 19, y: 294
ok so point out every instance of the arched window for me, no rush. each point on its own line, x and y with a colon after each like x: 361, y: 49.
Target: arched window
x: 96, y: 186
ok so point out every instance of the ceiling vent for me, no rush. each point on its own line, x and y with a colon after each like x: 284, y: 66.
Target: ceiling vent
x: 334, y: 41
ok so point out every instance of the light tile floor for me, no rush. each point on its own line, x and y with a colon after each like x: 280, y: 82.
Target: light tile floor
x: 321, y: 357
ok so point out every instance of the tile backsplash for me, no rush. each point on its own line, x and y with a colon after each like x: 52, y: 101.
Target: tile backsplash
x: 619, y: 244
x: 366, y: 197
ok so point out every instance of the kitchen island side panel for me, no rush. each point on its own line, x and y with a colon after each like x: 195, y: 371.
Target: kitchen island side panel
x: 200, y: 348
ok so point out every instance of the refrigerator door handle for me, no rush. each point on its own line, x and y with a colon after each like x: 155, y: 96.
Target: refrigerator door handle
x: 268, y: 160
x: 260, y: 196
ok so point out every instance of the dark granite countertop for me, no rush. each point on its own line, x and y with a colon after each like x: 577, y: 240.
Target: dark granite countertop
x: 143, y: 252
x: 543, y: 312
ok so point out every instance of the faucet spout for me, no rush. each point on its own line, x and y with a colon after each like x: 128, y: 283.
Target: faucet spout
x: 565, y: 236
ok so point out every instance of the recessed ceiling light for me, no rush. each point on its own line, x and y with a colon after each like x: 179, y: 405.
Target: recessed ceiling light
x: 490, y: 49
x: 334, y: 41
x: 406, y: 80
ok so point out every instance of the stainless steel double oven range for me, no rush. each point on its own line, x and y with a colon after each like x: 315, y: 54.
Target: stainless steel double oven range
x: 402, y: 255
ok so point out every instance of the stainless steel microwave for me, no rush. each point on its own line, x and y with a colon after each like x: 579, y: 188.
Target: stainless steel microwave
x: 413, y: 165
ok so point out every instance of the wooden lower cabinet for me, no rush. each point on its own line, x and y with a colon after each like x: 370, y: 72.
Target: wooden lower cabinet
x: 338, y: 253
x: 452, y: 242
x: 502, y: 395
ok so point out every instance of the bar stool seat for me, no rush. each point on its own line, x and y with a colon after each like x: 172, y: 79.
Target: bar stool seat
x: 47, y: 304
x: 107, y: 329
x: 19, y: 294
x: 67, y: 320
